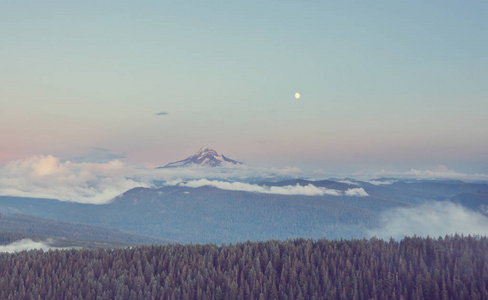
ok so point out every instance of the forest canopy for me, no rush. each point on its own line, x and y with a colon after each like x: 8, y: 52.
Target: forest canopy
x: 413, y: 268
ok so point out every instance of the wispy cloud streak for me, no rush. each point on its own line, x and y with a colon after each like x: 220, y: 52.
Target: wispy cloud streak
x: 307, y: 190
x: 26, y: 245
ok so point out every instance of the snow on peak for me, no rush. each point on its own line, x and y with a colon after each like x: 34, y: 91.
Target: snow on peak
x: 206, y: 152
x: 206, y: 157
x: 204, y: 149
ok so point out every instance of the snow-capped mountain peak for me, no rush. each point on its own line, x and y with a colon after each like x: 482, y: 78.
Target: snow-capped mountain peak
x: 206, y: 151
x: 205, y: 157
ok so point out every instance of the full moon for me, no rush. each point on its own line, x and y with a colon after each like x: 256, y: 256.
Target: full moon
x: 297, y: 95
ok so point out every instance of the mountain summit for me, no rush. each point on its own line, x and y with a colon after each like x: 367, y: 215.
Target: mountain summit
x: 205, y: 157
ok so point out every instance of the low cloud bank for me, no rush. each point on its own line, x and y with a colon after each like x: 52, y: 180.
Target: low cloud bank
x: 233, y: 172
x: 440, y: 172
x: 347, y: 182
x: 356, y: 192
x: 48, y: 177
x: 307, y: 190
x: 382, y: 182
x: 431, y: 219
x: 26, y: 244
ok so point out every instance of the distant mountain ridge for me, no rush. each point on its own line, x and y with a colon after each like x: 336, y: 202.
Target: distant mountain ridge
x: 28, y: 224
x: 205, y: 157
x: 207, y: 214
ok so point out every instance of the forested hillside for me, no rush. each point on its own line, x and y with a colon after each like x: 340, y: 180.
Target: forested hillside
x: 415, y: 268
x: 49, y: 228
x: 208, y: 214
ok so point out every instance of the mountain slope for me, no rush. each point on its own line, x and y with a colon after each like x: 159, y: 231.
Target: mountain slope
x: 39, y: 226
x: 209, y: 214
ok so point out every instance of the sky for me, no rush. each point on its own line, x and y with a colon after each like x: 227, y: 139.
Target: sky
x: 384, y: 85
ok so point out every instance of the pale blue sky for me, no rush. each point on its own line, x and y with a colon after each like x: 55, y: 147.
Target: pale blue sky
x: 384, y: 84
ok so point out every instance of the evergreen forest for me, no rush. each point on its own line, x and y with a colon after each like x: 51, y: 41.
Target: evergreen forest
x: 452, y: 267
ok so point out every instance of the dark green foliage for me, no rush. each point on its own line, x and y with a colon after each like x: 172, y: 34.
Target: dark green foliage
x: 416, y: 268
